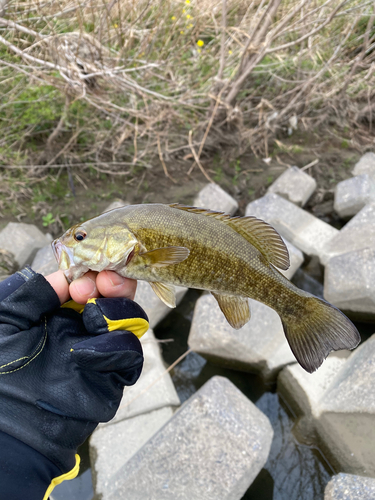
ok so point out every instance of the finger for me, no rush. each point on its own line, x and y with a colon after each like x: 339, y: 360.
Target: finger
x: 111, y: 284
x: 83, y: 289
x: 118, y: 352
x: 58, y: 282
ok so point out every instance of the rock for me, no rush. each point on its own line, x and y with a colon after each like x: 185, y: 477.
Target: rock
x: 339, y: 402
x: 366, y: 165
x: 349, y: 283
x: 350, y: 487
x: 44, y: 261
x: 260, y: 346
x: 155, y: 309
x: 111, y: 446
x: 8, y: 265
x: 294, y: 185
x: 212, y: 448
x: 296, y: 260
x: 116, y: 204
x: 22, y: 240
x: 353, y: 194
x: 357, y: 234
x: 154, y: 388
x: 305, y: 231
x: 215, y: 198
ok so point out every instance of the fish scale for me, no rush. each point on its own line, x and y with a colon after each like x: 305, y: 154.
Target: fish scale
x: 232, y: 257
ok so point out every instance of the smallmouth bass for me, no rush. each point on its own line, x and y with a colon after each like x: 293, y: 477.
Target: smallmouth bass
x: 234, y: 258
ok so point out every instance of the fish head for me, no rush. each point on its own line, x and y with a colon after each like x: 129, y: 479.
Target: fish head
x: 93, y: 246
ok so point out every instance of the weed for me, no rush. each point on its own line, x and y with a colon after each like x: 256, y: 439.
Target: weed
x: 219, y: 174
x: 48, y: 219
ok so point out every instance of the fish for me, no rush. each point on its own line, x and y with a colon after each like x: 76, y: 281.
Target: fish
x: 234, y: 258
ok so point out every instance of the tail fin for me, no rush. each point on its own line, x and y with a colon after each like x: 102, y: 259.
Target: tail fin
x: 321, y: 329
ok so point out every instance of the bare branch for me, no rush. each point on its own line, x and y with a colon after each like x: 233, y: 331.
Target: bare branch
x: 222, y: 47
x: 311, y: 33
x: 23, y: 29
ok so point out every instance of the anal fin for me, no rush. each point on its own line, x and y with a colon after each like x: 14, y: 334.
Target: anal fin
x: 235, y: 309
x: 166, y: 293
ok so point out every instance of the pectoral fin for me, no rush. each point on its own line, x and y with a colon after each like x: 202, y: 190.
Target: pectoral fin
x: 235, y: 309
x: 162, y: 257
x: 166, y: 293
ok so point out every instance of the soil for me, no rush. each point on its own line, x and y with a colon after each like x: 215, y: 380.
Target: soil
x: 246, y: 179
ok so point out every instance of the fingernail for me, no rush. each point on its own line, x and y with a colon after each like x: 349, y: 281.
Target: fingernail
x: 85, y: 287
x: 115, y: 279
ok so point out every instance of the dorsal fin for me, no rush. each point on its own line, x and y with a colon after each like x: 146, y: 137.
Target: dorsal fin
x: 257, y: 232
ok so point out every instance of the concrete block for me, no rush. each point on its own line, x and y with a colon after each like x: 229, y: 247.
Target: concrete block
x: 366, y: 165
x: 44, y: 261
x: 154, y: 388
x: 349, y: 283
x: 303, y: 390
x: 111, y: 446
x: 260, y: 346
x: 357, y: 234
x: 215, y: 198
x: 305, y: 231
x: 353, y: 194
x: 22, y: 240
x: 79, y: 487
x: 339, y: 402
x: 350, y: 487
x: 116, y: 204
x: 296, y: 260
x: 347, y: 421
x: 212, y: 448
x: 155, y: 309
x: 294, y: 185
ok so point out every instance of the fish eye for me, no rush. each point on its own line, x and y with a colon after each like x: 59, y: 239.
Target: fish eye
x: 80, y: 235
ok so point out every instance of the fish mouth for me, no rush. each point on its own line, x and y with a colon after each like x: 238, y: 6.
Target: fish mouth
x: 63, y: 255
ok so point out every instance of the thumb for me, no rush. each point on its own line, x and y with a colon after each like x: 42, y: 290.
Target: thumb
x: 109, y: 314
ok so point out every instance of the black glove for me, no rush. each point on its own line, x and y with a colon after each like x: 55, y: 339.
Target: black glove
x: 62, y: 371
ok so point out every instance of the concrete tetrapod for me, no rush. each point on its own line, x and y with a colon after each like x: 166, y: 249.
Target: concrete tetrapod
x: 212, y: 448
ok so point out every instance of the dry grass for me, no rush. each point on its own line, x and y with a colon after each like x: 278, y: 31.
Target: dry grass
x: 118, y: 84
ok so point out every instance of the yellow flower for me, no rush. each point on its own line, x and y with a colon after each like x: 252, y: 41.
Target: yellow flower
x: 173, y: 18
x: 190, y: 26
x: 188, y: 16
x: 183, y: 11
x: 181, y: 32
x: 187, y: 2
x: 200, y: 43
x: 115, y: 25
x: 230, y: 52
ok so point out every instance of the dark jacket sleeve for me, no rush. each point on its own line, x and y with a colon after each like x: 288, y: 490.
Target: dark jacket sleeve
x: 24, y: 472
